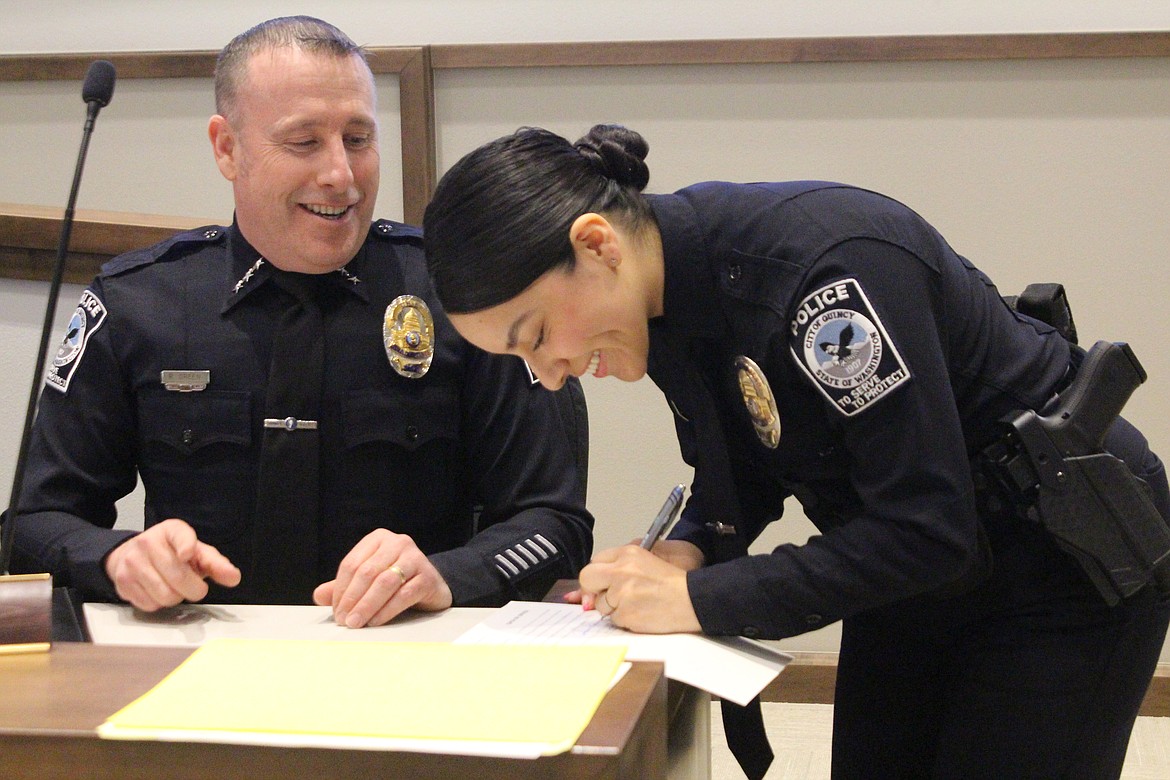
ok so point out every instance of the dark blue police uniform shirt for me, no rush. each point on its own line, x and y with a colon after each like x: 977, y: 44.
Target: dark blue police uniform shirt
x: 875, y: 447
x: 475, y: 462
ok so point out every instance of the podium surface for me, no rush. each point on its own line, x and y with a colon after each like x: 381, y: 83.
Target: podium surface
x: 52, y: 703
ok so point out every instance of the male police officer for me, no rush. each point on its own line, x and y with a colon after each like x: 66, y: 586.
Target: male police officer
x: 306, y: 423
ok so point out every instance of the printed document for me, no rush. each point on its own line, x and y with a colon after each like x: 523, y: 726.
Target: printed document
x: 729, y: 667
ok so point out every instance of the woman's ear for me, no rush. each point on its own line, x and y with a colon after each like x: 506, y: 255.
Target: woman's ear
x: 593, y: 238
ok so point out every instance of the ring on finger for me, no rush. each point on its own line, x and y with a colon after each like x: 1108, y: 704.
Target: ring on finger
x: 394, y: 567
x: 605, y: 598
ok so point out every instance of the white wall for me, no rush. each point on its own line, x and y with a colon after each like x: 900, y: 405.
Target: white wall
x: 116, y: 25
x: 1038, y: 171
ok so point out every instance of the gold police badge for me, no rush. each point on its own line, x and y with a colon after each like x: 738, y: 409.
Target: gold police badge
x: 408, y: 331
x: 760, y: 402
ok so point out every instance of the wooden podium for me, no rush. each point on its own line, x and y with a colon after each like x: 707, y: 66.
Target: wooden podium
x: 26, y: 613
x: 52, y: 703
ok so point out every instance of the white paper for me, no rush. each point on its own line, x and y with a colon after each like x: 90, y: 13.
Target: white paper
x: 729, y: 667
x: 732, y: 668
x: 190, y: 625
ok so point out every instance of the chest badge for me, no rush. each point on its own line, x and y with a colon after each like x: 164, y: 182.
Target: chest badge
x: 760, y: 403
x: 408, y: 331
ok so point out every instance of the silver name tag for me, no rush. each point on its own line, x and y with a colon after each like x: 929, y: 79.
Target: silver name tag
x: 186, y: 381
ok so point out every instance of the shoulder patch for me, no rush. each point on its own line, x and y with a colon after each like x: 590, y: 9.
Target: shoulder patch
x: 841, y: 344
x: 86, y: 319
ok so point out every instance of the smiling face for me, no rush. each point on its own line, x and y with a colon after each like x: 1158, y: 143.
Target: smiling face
x: 301, y: 151
x: 590, y: 319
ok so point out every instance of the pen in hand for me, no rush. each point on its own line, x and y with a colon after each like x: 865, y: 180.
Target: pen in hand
x: 664, y: 518
x: 656, y: 531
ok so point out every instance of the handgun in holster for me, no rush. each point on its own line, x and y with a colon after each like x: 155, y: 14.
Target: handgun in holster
x: 1054, y: 467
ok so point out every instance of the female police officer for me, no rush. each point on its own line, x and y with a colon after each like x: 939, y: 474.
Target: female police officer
x: 821, y: 341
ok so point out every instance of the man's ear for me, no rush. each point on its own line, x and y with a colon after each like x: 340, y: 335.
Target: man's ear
x: 593, y: 238
x: 223, y: 146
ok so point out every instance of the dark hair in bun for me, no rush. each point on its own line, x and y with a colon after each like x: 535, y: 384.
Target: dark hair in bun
x: 500, y: 217
x: 617, y: 153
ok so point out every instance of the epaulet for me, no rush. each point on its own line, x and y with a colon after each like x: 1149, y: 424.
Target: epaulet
x: 209, y: 234
x: 394, y: 231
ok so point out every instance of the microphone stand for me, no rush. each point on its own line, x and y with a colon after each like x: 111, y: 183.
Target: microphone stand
x: 26, y: 600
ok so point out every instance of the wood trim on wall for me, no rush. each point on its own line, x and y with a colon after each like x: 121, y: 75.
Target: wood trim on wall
x: 416, y: 89
x: 812, y: 679
x: 161, y: 64
x: 894, y: 48
x: 29, y: 236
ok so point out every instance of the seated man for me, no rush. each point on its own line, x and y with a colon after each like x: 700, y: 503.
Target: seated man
x: 307, y: 424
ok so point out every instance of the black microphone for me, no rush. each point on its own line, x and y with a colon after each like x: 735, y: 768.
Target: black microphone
x: 99, y: 86
x: 96, y: 93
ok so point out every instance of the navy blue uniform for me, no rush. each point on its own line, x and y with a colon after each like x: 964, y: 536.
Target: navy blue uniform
x: 472, y: 460
x: 972, y: 646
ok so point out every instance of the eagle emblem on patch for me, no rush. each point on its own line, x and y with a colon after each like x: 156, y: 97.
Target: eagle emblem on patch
x: 842, y: 345
x: 408, y: 332
x: 87, y: 318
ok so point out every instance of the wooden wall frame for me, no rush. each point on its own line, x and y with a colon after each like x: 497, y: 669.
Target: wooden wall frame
x: 757, y: 51
x: 27, y: 234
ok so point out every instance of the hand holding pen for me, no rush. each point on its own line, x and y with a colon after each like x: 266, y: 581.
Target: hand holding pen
x: 643, y: 587
x: 658, y: 528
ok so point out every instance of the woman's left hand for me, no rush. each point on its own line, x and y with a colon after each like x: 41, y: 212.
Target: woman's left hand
x: 639, y: 591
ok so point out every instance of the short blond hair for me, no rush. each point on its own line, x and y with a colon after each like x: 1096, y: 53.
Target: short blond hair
x: 304, y: 32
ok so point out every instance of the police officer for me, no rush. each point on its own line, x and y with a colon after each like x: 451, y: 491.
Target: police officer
x: 819, y: 341
x: 435, y: 474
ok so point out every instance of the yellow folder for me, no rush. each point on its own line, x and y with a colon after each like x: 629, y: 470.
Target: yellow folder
x: 479, y: 699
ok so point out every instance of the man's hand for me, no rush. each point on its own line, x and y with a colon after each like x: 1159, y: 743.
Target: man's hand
x: 165, y: 565
x: 383, y: 575
x: 641, y: 591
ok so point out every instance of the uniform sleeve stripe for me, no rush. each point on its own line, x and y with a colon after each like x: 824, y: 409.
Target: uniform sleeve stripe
x: 524, y: 551
x: 509, y: 564
x: 536, y: 548
x: 512, y: 554
x: 548, y: 545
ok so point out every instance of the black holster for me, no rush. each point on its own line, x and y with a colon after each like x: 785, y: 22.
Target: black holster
x: 1053, y: 468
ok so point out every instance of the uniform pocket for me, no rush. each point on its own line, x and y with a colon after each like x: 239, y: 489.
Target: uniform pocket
x: 406, y: 419
x: 188, y: 422
x: 198, y: 463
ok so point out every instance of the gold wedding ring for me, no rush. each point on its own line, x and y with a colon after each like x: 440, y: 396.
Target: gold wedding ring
x: 605, y: 598
x: 394, y: 567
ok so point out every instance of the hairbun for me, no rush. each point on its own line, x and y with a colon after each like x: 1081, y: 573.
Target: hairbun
x: 617, y: 153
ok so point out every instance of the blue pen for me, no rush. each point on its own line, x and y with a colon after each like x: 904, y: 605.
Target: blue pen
x: 665, y: 517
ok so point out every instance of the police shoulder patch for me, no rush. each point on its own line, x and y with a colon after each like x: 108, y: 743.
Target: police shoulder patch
x: 86, y: 319
x: 841, y: 344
